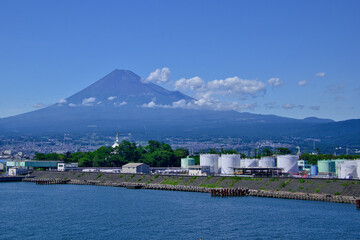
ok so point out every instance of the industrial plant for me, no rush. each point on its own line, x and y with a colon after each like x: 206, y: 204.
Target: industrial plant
x: 210, y: 165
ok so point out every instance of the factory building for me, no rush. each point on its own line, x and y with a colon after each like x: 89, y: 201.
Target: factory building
x: 28, y: 164
x: 3, y: 165
x: 198, y: 170
x: 303, y: 165
x: 135, y: 168
x: 14, y: 171
x: 63, y: 167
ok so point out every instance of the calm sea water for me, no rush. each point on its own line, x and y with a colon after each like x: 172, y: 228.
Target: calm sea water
x: 30, y: 211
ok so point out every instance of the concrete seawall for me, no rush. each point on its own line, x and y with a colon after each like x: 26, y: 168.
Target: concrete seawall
x: 341, y: 191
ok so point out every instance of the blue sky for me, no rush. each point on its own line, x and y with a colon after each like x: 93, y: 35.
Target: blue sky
x: 289, y: 58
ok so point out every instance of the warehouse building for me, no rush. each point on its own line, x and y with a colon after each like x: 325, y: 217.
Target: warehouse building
x: 135, y: 168
x: 198, y: 170
x: 28, y: 164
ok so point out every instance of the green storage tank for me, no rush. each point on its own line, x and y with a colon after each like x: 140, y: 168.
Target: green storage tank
x: 186, y: 162
x: 332, y: 166
x: 324, y: 166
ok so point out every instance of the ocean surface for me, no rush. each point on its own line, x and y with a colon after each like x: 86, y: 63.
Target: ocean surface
x: 30, y: 211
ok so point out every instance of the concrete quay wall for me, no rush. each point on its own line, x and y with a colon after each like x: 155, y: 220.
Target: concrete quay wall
x: 343, y: 191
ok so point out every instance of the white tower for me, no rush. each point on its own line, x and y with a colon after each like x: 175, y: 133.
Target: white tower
x: 116, y: 143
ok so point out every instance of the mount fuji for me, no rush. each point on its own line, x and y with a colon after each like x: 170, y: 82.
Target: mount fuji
x: 123, y: 102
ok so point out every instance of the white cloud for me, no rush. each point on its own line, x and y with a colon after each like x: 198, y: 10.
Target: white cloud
x: 292, y: 106
x: 320, y: 74
x: 237, y: 86
x: 230, y: 87
x: 120, y: 104
x: 111, y: 98
x: 151, y: 104
x: 212, y: 104
x: 275, y: 82
x: 302, y: 83
x: 88, y: 101
x: 39, y: 105
x: 316, y: 108
x: 191, y: 83
x: 159, y: 75
x: 61, y: 101
x: 72, y: 105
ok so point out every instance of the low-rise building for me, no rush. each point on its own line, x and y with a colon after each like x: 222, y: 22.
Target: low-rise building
x: 33, y: 164
x: 14, y: 171
x: 2, y: 165
x: 303, y: 165
x: 67, y: 166
x: 135, y: 168
x: 198, y: 170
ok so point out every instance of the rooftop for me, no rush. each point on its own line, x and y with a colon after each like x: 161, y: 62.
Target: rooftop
x: 132, y: 164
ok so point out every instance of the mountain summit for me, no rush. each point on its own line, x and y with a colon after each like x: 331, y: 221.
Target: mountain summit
x: 123, y: 102
x: 124, y: 87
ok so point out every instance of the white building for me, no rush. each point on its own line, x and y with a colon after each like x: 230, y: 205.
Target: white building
x: 14, y: 171
x: 2, y: 167
x: 198, y: 170
x: 67, y: 166
x: 135, y: 168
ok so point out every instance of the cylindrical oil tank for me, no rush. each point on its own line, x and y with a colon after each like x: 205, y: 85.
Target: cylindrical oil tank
x: 288, y: 163
x: 347, y: 170
x: 314, y: 170
x: 337, y: 162
x: 186, y: 162
x: 249, y: 163
x: 210, y: 160
x: 358, y: 169
x: 267, y: 162
x: 324, y: 166
x: 228, y: 162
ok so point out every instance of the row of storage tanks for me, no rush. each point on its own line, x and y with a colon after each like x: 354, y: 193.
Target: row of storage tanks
x: 225, y: 163
x: 342, y: 168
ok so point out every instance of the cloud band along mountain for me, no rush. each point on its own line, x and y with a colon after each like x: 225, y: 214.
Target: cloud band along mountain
x: 123, y: 101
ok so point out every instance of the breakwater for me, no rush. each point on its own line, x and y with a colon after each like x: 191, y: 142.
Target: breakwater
x: 11, y: 179
x: 340, y: 191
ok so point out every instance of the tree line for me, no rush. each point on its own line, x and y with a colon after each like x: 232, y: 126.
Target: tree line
x: 155, y: 154
x: 160, y: 154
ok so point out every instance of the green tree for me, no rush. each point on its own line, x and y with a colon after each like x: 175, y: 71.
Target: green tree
x: 266, y: 152
x: 283, y: 151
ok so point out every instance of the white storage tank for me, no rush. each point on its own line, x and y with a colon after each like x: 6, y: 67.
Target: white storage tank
x: 289, y: 163
x: 347, y: 169
x: 210, y: 160
x: 249, y: 163
x: 228, y: 162
x: 267, y: 162
x: 358, y: 169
